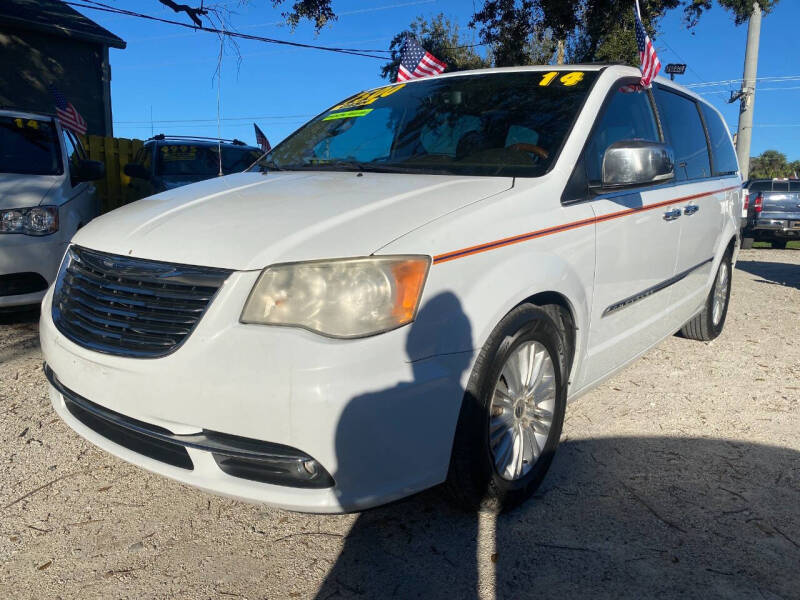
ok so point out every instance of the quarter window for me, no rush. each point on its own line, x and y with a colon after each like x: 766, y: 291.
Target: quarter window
x: 628, y: 116
x: 724, y: 158
x: 684, y: 131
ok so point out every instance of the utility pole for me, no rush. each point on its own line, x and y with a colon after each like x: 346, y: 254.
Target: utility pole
x: 747, y: 96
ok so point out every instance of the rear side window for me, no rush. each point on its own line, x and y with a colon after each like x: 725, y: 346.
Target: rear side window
x: 722, y: 155
x: 684, y: 132
x: 628, y: 116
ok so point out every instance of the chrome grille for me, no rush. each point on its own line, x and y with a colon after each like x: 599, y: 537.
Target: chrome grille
x: 130, y: 306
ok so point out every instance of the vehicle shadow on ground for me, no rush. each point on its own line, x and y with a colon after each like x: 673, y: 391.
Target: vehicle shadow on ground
x: 776, y: 273
x: 616, y: 517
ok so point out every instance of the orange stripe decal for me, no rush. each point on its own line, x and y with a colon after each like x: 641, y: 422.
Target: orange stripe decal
x: 531, y: 235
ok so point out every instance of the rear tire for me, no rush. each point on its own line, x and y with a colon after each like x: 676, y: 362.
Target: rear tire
x: 528, y: 335
x: 708, y: 323
x: 779, y: 244
x: 747, y: 243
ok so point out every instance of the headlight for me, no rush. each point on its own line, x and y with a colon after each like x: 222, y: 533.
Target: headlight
x: 39, y: 220
x: 345, y: 298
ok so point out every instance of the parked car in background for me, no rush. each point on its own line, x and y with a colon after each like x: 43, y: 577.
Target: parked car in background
x: 403, y: 292
x: 46, y: 195
x: 773, y: 212
x: 167, y: 162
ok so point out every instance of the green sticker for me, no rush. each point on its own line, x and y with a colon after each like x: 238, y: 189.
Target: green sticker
x: 347, y: 114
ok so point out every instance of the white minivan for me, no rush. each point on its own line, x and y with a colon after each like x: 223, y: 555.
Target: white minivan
x: 45, y: 196
x: 402, y: 293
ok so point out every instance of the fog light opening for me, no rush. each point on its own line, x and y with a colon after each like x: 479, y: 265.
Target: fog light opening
x: 311, y: 467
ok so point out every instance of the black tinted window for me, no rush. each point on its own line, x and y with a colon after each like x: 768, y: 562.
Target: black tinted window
x: 760, y: 185
x: 628, y: 116
x: 722, y: 153
x: 684, y: 132
x: 28, y: 146
x: 203, y: 161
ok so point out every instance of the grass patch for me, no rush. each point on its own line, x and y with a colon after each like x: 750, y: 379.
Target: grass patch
x: 793, y: 244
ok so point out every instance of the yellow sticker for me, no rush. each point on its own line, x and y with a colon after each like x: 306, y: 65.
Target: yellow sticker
x: 366, y: 98
x: 347, y: 114
x: 29, y: 123
x: 572, y: 78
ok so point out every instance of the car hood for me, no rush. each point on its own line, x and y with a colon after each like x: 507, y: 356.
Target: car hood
x: 250, y: 220
x: 20, y: 191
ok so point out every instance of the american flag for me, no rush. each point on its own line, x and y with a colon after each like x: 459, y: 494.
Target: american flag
x: 647, y: 53
x: 416, y: 62
x: 68, y: 115
x: 261, y: 139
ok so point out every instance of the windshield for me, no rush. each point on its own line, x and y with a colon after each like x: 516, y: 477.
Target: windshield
x: 192, y: 161
x: 28, y: 146
x: 507, y: 124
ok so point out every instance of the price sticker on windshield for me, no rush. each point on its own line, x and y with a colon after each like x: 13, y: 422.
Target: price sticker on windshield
x: 567, y: 79
x: 348, y: 114
x: 366, y: 98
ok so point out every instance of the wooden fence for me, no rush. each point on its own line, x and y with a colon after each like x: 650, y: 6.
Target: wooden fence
x: 114, y: 189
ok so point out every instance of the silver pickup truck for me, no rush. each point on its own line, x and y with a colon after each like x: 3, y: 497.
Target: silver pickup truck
x: 773, y: 212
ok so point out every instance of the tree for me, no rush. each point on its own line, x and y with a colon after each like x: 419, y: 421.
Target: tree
x: 771, y: 164
x: 594, y: 30
x: 442, y: 38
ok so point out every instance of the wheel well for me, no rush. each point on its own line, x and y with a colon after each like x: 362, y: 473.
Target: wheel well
x: 564, y: 314
x: 731, y: 245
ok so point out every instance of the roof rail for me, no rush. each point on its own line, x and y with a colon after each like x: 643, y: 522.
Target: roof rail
x: 162, y: 136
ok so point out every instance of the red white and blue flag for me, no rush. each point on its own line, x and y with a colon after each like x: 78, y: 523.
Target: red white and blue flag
x: 261, y: 139
x: 68, y: 115
x: 416, y: 62
x: 648, y: 58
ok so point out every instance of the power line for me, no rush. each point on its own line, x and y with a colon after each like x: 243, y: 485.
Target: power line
x: 680, y: 58
x: 738, y: 81
x: 273, y: 23
x: 775, y: 89
x: 234, y: 34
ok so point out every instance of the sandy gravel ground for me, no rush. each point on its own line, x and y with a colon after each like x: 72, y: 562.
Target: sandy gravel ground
x: 680, y: 477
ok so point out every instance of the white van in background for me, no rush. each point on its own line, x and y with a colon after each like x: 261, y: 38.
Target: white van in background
x: 45, y: 196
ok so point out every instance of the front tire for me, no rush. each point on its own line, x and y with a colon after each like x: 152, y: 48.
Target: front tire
x: 708, y: 323
x: 513, y: 411
x: 779, y: 244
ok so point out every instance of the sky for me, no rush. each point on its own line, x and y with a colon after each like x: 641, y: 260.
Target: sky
x: 167, y: 74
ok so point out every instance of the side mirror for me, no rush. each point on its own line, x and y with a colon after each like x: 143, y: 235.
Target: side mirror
x: 136, y: 170
x: 88, y: 170
x: 636, y: 162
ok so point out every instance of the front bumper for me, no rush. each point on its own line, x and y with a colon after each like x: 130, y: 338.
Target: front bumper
x: 29, y: 254
x: 379, y: 424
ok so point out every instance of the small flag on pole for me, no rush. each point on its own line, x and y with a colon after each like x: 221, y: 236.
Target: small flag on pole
x: 416, y: 62
x: 648, y: 58
x: 68, y: 115
x: 261, y: 139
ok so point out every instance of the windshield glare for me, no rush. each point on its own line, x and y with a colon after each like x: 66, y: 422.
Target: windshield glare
x: 504, y: 124
x: 28, y: 147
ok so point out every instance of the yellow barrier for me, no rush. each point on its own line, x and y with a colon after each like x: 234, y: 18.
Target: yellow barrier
x: 113, y: 190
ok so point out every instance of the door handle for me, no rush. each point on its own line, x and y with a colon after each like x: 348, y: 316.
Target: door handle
x: 673, y: 214
x: 691, y: 209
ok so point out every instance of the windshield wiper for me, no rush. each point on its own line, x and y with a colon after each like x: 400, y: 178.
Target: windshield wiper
x: 270, y: 165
